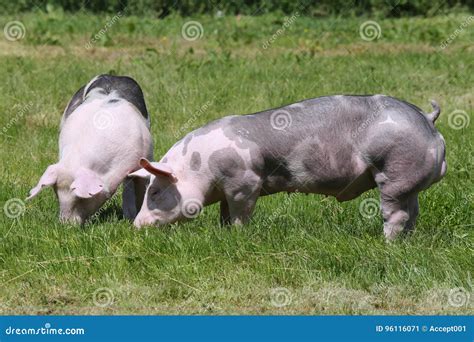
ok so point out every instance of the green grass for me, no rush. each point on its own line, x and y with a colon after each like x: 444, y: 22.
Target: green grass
x: 325, y: 255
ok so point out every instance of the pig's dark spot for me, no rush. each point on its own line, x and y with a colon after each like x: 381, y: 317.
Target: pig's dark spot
x: 268, y: 154
x: 75, y: 102
x: 240, y: 136
x: 166, y: 200
x: 186, y: 142
x: 226, y: 163
x: 101, y: 91
x: 113, y: 101
x: 211, y: 126
x: 195, y: 161
x: 126, y: 88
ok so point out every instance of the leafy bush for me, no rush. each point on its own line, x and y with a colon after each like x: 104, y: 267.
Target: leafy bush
x: 162, y: 8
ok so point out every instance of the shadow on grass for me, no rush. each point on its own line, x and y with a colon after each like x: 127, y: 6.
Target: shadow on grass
x: 111, y: 213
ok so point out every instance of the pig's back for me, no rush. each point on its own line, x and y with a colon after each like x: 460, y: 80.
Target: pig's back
x: 121, y: 87
x: 330, y: 119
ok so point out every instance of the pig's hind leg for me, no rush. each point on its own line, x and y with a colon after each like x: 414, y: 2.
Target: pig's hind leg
x: 399, y: 214
x: 399, y: 205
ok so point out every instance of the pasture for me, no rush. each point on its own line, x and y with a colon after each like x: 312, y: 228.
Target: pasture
x: 300, y: 254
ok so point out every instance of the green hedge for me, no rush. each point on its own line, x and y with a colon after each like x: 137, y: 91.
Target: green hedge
x: 161, y: 8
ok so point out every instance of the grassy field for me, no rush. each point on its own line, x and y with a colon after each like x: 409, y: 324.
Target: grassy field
x: 301, y: 254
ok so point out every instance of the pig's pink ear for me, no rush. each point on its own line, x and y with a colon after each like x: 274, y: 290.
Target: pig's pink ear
x: 140, y: 173
x: 86, y: 184
x: 48, y: 178
x: 158, y: 169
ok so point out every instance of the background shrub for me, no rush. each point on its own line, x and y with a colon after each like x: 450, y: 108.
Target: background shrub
x: 162, y: 8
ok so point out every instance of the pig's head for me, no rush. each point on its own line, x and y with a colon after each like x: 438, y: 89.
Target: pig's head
x: 80, y: 193
x: 164, y: 196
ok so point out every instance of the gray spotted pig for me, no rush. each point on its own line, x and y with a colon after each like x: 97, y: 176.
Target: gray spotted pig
x: 334, y: 145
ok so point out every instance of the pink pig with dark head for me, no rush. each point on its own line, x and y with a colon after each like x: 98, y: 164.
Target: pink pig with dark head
x: 334, y: 145
x: 105, y: 130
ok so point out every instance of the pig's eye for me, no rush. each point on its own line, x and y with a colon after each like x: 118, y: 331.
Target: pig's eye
x: 155, y: 192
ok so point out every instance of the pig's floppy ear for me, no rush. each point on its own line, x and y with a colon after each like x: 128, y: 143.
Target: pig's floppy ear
x: 158, y: 169
x: 86, y: 184
x: 48, y: 178
x: 140, y: 173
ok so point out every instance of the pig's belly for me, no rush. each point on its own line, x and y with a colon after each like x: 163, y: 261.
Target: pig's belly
x: 344, y: 187
x: 344, y: 176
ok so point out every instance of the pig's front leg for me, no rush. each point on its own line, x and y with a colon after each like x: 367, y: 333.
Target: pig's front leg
x: 241, y: 197
x: 140, y: 185
x: 224, y: 214
x: 132, y: 199
x: 129, y: 199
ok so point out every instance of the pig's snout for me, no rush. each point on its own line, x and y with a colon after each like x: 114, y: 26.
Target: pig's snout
x: 145, y: 219
x: 71, y: 219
